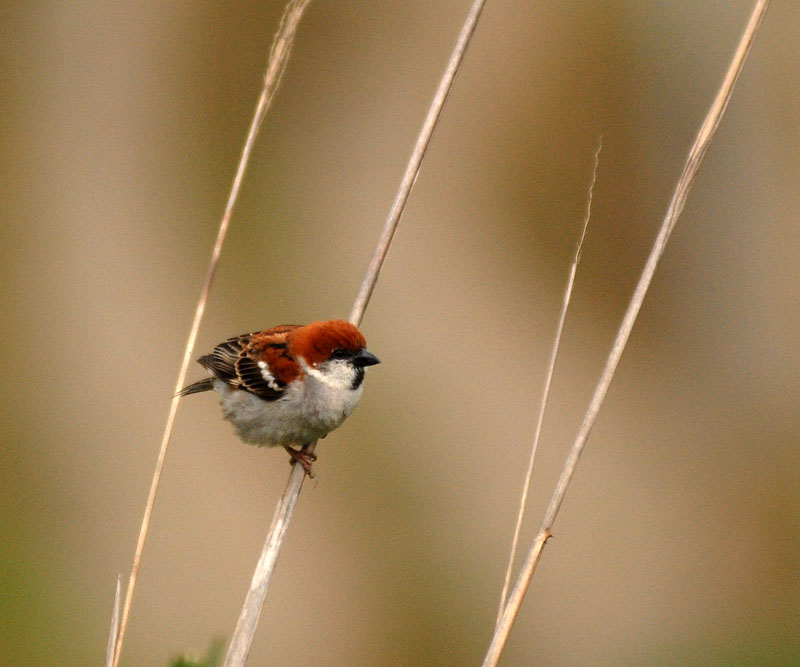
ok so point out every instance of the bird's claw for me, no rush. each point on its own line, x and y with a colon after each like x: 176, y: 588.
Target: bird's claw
x: 302, y: 457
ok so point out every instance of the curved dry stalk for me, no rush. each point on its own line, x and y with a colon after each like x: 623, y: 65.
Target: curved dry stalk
x: 279, y: 55
x: 548, y: 381
x: 251, y: 610
x: 694, y: 159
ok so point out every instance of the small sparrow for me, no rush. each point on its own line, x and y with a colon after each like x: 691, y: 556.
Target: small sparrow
x: 288, y: 385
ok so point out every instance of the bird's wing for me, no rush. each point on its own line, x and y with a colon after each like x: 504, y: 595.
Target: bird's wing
x: 259, y: 362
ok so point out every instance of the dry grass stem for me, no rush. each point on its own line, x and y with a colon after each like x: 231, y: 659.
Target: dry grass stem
x: 548, y: 381
x: 114, y: 630
x: 693, y: 161
x: 279, y: 54
x: 414, y: 163
x: 254, y: 601
x: 251, y: 610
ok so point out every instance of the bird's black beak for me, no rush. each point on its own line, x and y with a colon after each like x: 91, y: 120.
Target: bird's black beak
x: 365, y: 358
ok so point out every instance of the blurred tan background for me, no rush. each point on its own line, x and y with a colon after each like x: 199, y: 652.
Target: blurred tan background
x: 678, y: 540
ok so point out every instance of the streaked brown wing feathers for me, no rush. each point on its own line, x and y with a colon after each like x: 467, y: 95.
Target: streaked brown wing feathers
x: 255, y: 381
x: 236, y: 361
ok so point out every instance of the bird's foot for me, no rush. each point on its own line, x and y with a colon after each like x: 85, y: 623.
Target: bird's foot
x: 302, y: 457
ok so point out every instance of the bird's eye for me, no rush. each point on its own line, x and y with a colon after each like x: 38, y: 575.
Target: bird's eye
x: 340, y: 353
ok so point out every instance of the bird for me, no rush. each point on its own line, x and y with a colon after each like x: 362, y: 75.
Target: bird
x: 288, y: 385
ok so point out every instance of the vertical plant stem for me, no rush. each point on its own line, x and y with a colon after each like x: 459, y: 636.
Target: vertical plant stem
x: 112, y: 633
x: 548, y: 381
x: 693, y: 161
x: 248, y: 618
x: 254, y: 602
x: 415, y: 162
x: 279, y: 55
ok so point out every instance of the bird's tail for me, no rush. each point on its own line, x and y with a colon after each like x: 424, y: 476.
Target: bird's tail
x: 196, y: 387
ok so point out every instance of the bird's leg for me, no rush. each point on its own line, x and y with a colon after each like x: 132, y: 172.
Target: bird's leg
x: 302, y: 457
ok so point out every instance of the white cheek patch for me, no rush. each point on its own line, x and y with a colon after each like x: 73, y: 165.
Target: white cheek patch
x: 309, y: 370
x: 268, y: 377
x: 335, y: 375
